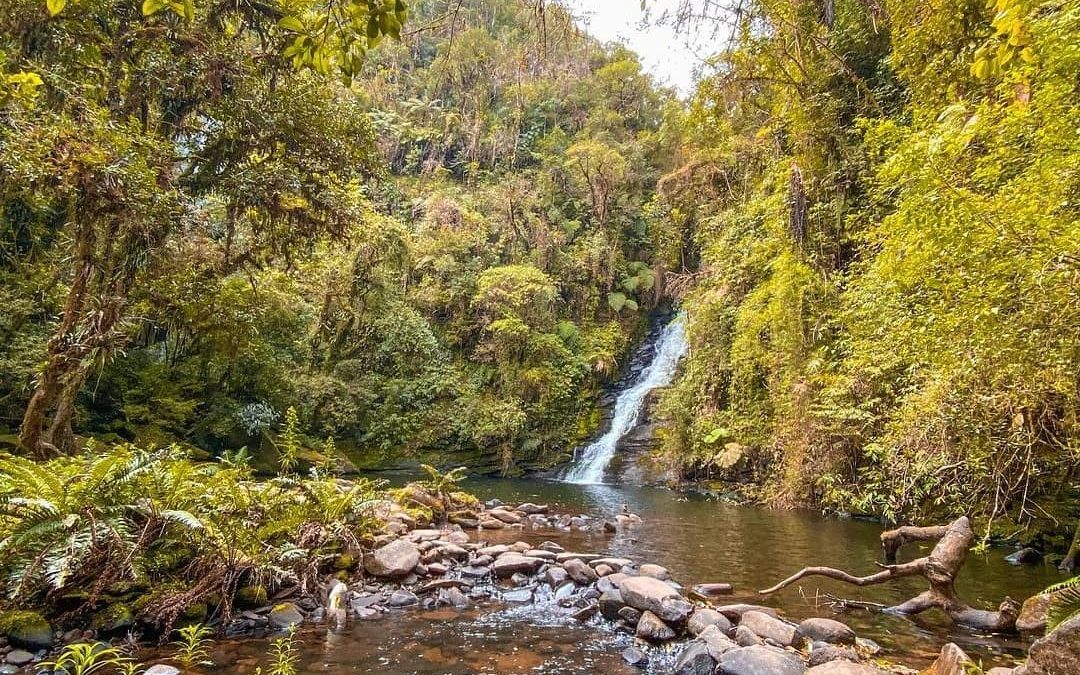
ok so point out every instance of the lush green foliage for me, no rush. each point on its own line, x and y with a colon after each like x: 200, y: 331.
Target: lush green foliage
x: 884, y: 199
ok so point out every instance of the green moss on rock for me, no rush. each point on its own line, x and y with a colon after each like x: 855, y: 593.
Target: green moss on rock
x: 26, y: 629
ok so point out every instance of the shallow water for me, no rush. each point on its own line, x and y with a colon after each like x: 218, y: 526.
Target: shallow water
x: 699, y: 541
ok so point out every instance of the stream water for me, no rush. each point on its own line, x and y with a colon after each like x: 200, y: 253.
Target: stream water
x: 698, y: 540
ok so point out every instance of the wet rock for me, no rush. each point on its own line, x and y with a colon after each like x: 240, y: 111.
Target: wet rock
x: 769, y: 628
x: 630, y: 615
x: 823, y: 653
x: 1025, y: 556
x: 520, y: 579
x: 491, y: 524
x: 1032, y: 617
x: 113, y: 618
x: 704, y: 617
x: 654, y: 571
x: 717, y: 642
x: 826, y: 630
x: 603, y: 584
x: 1000, y: 670
x: 735, y: 611
x: 8, y: 669
x: 437, y: 569
x: 551, y: 546
x: 518, y: 595
x: 454, y: 597
x: 555, y: 575
x: 635, y: 657
x: 869, y: 646
x: 586, y: 612
x: 493, y: 551
x: 510, y: 564
x: 709, y: 591
x: 610, y: 604
x: 19, y: 657
x: 458, y: 538
x: 162, y: 669
x: 581, y: 573
x: 842, y: 667
x: 541, y: 553
x: 745, y: 637
x: 760, y: 661
x: 695, y: 660
x: 396, y: 559
x: 493, y: 503
x: 507, y: 517
x: 1056, y: 653
x: 952, y: 661
x: 615, y: 564
x: 285, y: 616
x: 609, y: 527
x: 26, y: 629
x: 652, y: 628
x: 453, y: 552
x: 250, y: 597
x: 402, y: 598
x: 443, y: 583
x: 359, y: 602
x: 528, y: 508
x: 653, y: 595
x: 584, y: 557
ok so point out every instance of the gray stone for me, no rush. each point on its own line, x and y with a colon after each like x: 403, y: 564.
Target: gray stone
x: 735, y: 611
x: 161, y: 669
x: 581, y: 573
x: 653, y: 595
x: 952, y: 661
x: 1056, y: 653
x: 285, y: 616
x: 746, y: 637
x: 630, y: 615
x: 510, y: 564
x: 708, y: 591
x: 530, y: 509
x: 1032, y: 618
x: 518, y: 595
x: 695, y: 660
x: 19, y: 657
x: 1025, y: 556
x: 396, y: 559
x: 826, y: 630
x: 610, y: 604
x: 703, y: 617
x: 843, y: 667
x: 635, y: 657
x: 652, y: 628
x: 826, y: 652
x: 769, y: 628
x: 760, y: 661
x: 869, y: 646
x: 555, y: 575
x: 717, y: 641
x: 654, y: 571
x: 402, y: 598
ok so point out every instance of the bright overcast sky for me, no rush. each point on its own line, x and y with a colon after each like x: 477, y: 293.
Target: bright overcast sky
x: 663, y: 53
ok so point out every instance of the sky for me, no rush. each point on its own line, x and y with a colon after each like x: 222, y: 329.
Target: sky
x: 664, y: 54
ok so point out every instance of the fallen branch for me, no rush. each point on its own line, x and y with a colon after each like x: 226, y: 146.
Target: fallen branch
x: 940, y: 569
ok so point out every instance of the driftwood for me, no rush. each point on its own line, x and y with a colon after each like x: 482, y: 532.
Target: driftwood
x: 940, y: 569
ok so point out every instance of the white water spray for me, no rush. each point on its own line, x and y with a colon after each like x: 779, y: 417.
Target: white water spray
x: 671, y: 346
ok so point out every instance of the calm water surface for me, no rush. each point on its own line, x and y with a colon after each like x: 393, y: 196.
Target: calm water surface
x: 699, y: 541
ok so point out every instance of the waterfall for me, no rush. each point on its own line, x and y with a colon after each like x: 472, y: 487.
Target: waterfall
x: 589, y: 467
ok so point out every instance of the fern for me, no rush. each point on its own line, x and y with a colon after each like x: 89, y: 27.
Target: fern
x: 1064, y: 602
x: 193, y: 647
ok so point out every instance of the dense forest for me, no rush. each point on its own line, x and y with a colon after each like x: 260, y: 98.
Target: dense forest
x: 438, y: 232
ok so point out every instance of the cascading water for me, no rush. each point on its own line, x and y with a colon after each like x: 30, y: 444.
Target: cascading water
x: 670, y: 347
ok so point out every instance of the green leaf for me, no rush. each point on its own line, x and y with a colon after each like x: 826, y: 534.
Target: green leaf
x: 151, y: 7
x: 291, y: 23
x: 55, y: 6
x: 616, y: 301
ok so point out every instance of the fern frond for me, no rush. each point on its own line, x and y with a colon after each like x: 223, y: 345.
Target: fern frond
x: 1064, y: 602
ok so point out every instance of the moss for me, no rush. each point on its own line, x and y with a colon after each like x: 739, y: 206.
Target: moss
x: 113, y: 618
x: 26, y: 628
x: 250, y: 597
x: 345, y: 561
x: 196, y: 612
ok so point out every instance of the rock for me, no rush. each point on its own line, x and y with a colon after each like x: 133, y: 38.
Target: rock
x: 530, y: 509
x: 1000, y: 670
x: 734, y: 612
x: 285, y: 616
x: 475, y: 571
x: 842, y: 667
x: 8, y: 669
x: 518, y: 595
x: 869, y: 646
x: 652, y: 595
x: 493, y: 551
x: 454, y: 597
x: 603, y: 570
x: 540, y: 553
x: 584, y: 557
x: 26, y: 629
x: 826, y: 630
x: 610, y: 604
x: 507, y: 517
x: 490, y: 524
x: 695, y: 660
x: 952, y: 661
x: 582, y: 574
x: 615, y: 564
x: 708, y: 591
x: 760, y: 661
x: 652, y: 628
x: 717, y: 642
x: 654, y: 571
x: 19, y: 657
x: 630, y: 615
x: 1025, y: 556
x: 519, y: 579
x: 769, y: 627
x: 551, y: 546
x: 704, y: 617
x: 745, y: 637
x: 1057, y: 652
x: 827, y: 652
x: 251, y: 597
x: 585, y: 612
x: 635, y: 657
x: 509, y: 564
x: 1032, y: 617
x: 396, y: 559
x: 437, y: 569
x: 453, y: 552
x: 161, y: 669
x: 555, y: 575
x: 402, y: 598
x: 113, y: 618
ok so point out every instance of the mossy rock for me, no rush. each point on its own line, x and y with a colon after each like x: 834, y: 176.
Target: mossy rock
x: 344, y: 562
x: 251, y: 597
x: 195, y: 613
x: 113, y: 618
x: 26, y: 629
x: 127, y: 590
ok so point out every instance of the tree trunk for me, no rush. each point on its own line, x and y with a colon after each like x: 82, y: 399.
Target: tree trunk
x: 1071, y: 559
x: 940, y: 569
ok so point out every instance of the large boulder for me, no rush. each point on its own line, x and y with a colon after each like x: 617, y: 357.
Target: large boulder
x: 760, y: 661
x: 396, y: 559
x: 704, y: 617
x: 826, y: 630
x: 648, y: 594
x: 285, y: 616
x: 953, y: 661
x: 509, y: 564
x: 26, y: 629
x: 1056, y: 653
x: 650, y: 627
x: 1032, y: 617
x: 581, y: 573
x: 695, y: 660
x: 769, y: 627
